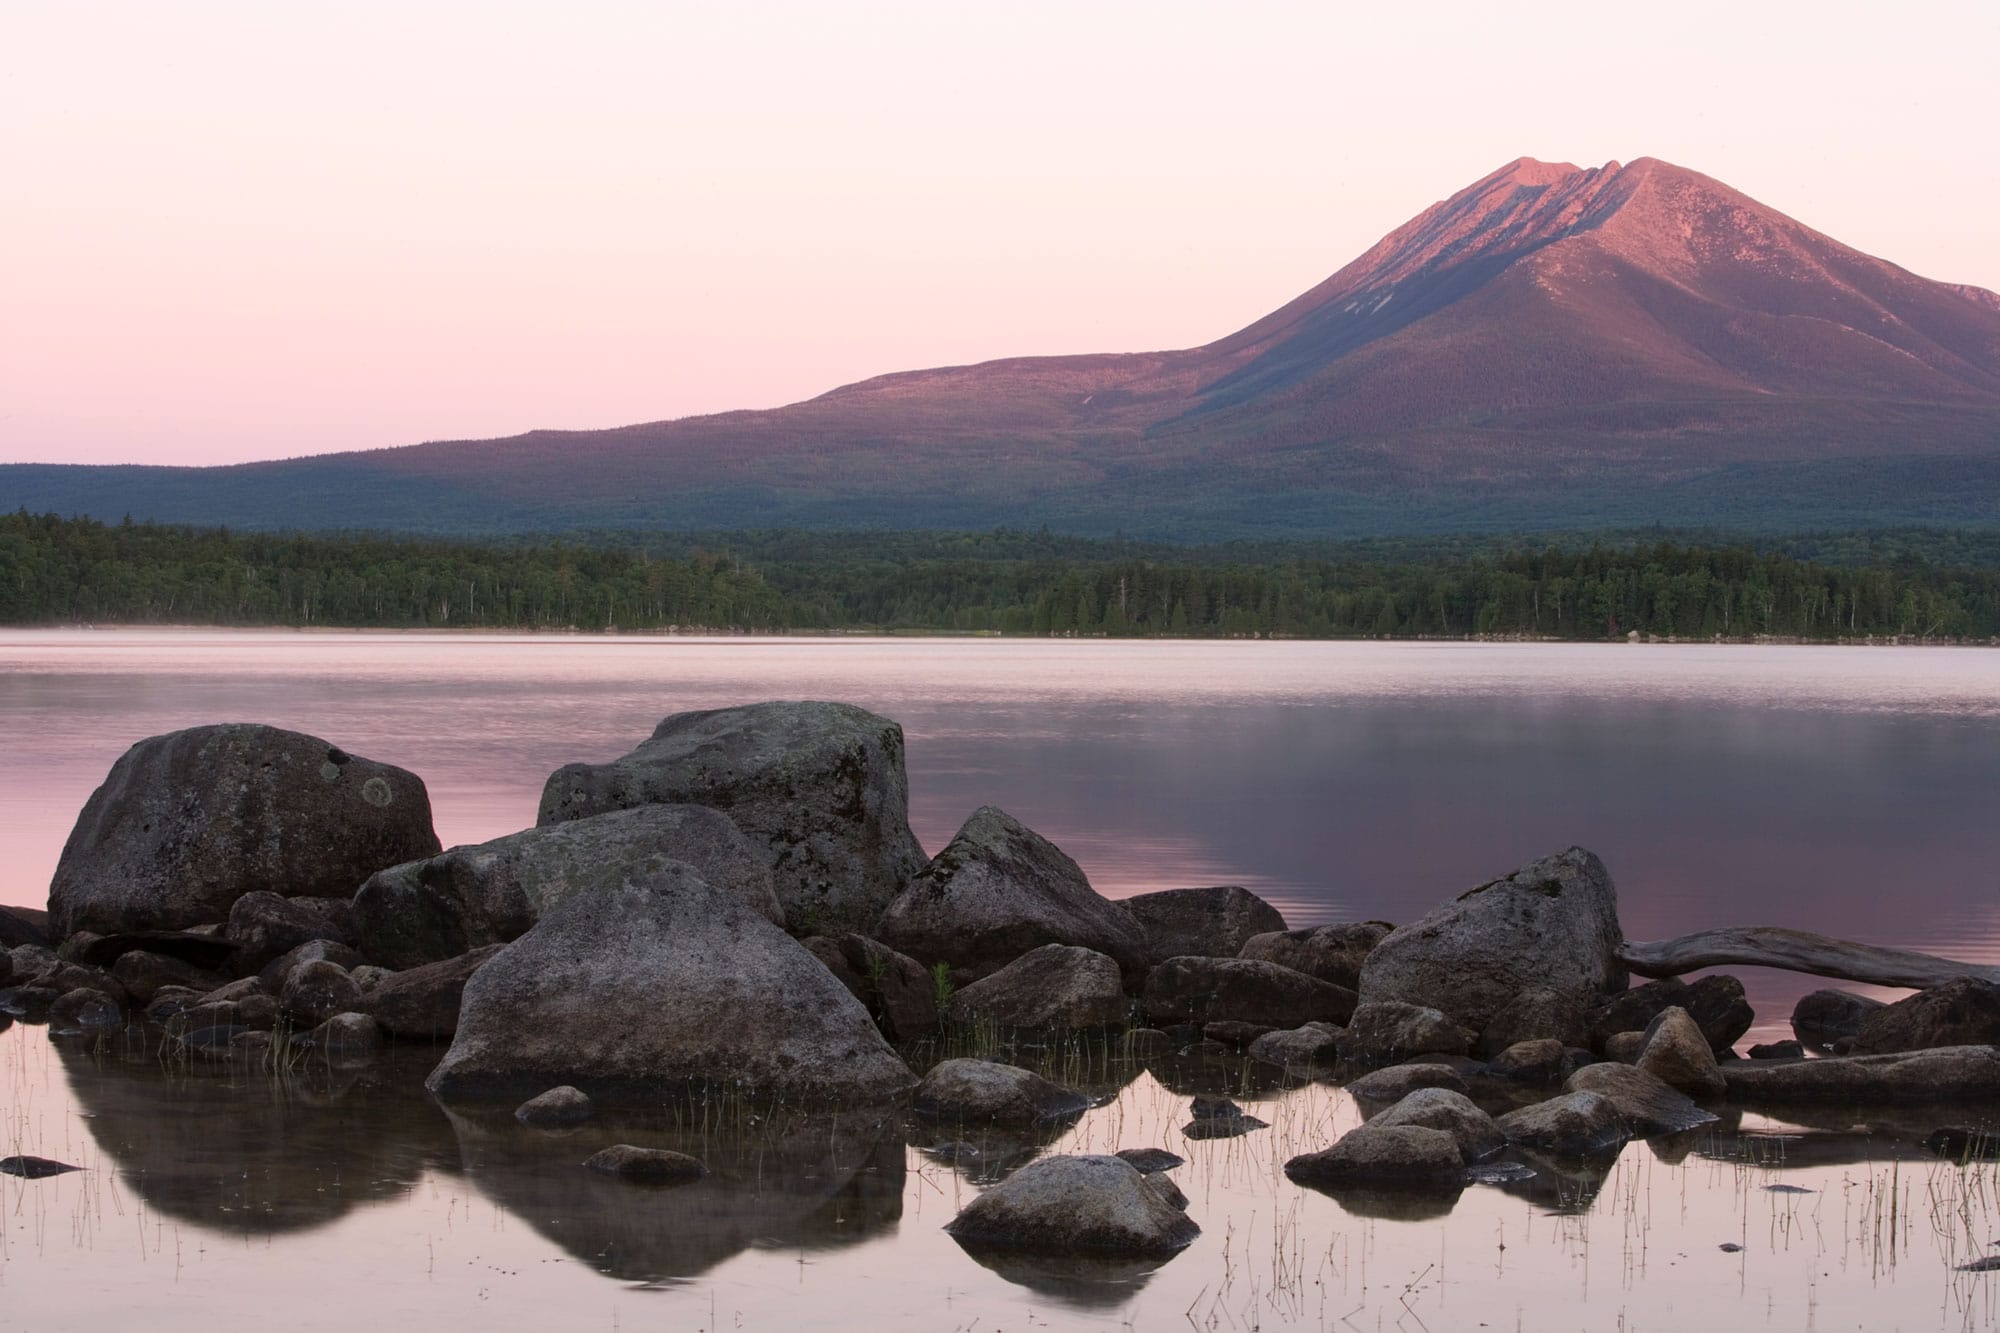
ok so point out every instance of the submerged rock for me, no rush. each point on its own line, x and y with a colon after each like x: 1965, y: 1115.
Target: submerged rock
x: 1057, y: 986
x: 1551, y: 925
x: 819, y: 786
x: 1077, y: 1205
x: 656, y: 986
x: 985, y: 1092
x: 998, y: 890
x: 1333, y: 954
x: 1216, y: 922
x: 187, y: 823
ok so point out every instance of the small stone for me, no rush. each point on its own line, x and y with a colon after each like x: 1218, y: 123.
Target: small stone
x: 558, y: 1108
x: 1151, y: 1160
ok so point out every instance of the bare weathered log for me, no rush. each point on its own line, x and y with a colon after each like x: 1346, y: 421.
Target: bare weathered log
x: 1796, y: 951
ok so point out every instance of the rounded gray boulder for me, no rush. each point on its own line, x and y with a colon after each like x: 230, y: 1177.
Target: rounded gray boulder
x: 1057, y: 986
x: 1077, y: 1205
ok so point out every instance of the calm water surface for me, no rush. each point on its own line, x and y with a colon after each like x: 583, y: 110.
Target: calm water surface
x: 1851, y: 791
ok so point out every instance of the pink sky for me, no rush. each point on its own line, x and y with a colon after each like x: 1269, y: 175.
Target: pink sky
x: 253, y: 230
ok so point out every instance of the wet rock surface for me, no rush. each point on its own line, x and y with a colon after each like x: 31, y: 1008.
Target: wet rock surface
x: 1574, y: 1124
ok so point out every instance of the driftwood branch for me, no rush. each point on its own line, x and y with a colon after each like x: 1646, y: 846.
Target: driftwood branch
x: 1796, y: 951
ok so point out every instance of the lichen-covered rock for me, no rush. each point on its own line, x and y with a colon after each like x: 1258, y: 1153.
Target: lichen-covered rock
x: 1242, y: 990
x: 1648, y: 1105
x: 494, y: 892
x: 819, y: 786
x: 897, y: 989
x: 1057, y: 986
x: 1715, y: 1002
x: 424, y: 1001
x: 1298, y: 1048
x: 187, y: 823
x: 662, y: 985
x: 983, y: 1092
x: 1962, y: 1012
x: 558, y: 1108
x: 1386, y: 1030
x: 1825, y: 1016
x: 997, y: 890
x: 1077, y: 1205
x: 1399, y: 1081
x: 1216, y: 922
x: 1673, y: 1050
x: 265, y: 927
x: 1575, y: 1124
x: 1945, y: 1074
x: 647, y: 1166
x: 1552, y: 925
x: 1401, y: 1156
x: 1332, y: 953
x: 1478, y: 1138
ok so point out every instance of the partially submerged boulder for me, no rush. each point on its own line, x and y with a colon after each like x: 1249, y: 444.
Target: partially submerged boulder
x: 1648, y: 1105
x: 997, y: 890
x: 558, y: 1108
x: 1243, y: 990
x: 1399, y: 1081
x: 657, y: 986
x: 1575, y: 1124
x: 1215, y: 922
x: 1674, y: 1050
x: 647, y: 1166
x: 494, y: 892
x: 316, y: 991
x: 819, y: 786
x: 1385, y: 1030
x: 984, y: 1092
x: 1715, y: 1002
x: 1315, y: 1046
x: 1077, y: 1205
x: 1951, y: 1073
x: 1331, y: 953
x: 187, y: 823
x: 1552, y: 925
x: 1964, y: 1012
x: 1057, y: 986
x: 85, y: 1010
x: 1475, y: 1132
x: 1403, y: 1156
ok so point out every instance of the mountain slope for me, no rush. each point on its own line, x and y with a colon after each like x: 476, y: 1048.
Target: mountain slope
x: 1626, y: 343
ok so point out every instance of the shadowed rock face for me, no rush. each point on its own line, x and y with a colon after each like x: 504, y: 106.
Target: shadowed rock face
x: 187, y: 823
x: 819, y: 786
x: 1216, y: 922
x: 658, y: 985
x: 494, y: 892
x: 1331, y: 953
x: 1053, y: 987
x: 1965, y: 1012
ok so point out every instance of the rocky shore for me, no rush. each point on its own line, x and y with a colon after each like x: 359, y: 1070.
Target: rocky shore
x: 736, y: 913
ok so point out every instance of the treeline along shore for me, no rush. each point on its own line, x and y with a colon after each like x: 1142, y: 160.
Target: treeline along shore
x: 1910, y: 585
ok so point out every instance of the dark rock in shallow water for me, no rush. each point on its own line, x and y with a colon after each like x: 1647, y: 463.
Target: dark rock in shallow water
x: 998, y: 890
x: 494, y: 892
x: 647, y: 1166
x: 34, y: 1168
x: 29, y: 1002
x: 1150, y: 1161
x: 1543, y: 1061
x: 1959, y: 1144
x: 1057, y: 986
x: 1399, y: 1081
x: 1648, y: 1105
x: 1206, y: 1107
x: 425, y: 1001
x: 1223, y: 1126
x: 265, y: 927
x: 1964, y: 1012
x: 1475, y: 1132
x: 1216, y: 922
x: 1951, y: 1073
x: 1715, y: 1003
x: 1551, y: 925
x: 558, y: 1108
x: 187, y: 823
x: 1206, y: 990
x: 1298, y: 1048
x: 820, y: 786
x: 1076, y: 1205
x: 1825, y: 1016
x: 84, y: 1010
x: 659, y: 986
x: 1674, y: 1050
x: 984, y: 1092
x: 1333, y: 954
x: 316, y: 991
x: 1410, y: 1157
x: 345, y: 1036
x: 274, y: 974
x: 143, y: 973
x: 1575, y: 1124
x: 1380, y: 1031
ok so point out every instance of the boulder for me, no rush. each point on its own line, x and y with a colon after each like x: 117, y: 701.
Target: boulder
x: 1386, y: 1030
x: 1151, y: 1161
x: 424, y: 1001
x: 1951, y: 1073
x: 187, y: 823
x: 1534, y: 1015
x: 1575, y: 1124
x: 207, y: 952
x: 22, y: 925
x: 316, y: 991
x: 6, y: 968
x: 1242, y: 990
x: 1399, y: 1081
x: 819, y: 786
x: 31, y: 961
x: 1077, y: 1205
x: 1551, y: 925
x: 84, y: 1010
x: 271, y: 978
x: 1332, y: 953
x: 144, y: 974
x: 493, y: 892
x: 558, y: 1108
x: 345, y: 1036
x: 982, y: 1092
x: 898, y: 990
x: 1825, y: 1016
x: 265, y: 926
x: 1624, y: 1047
x: 1389, y: 1156
x: 1544, y: 1060
x: 1477, y: 1137
x: 647, y: 1166
x: 1232, y: 1033
x: 1057, y: 986
x: 30, y: 1002
x: 663, y: 985
x: 1648, y: 1105
x: 1215, y: 922
x: 1963, y: 1012
x: 170, y: 1002
x: 1716, y: 1004
x: 998, y: 890
x: 1674, y: 1050
x: 1298, y: 1048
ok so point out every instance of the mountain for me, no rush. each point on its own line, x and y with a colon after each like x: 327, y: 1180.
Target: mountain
x: 1549, y: 347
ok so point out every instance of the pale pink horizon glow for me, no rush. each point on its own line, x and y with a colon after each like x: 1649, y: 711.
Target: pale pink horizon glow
x: 245, y: 230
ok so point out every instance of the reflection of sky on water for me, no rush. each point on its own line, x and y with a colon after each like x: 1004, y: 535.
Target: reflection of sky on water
x: 1849, y: 791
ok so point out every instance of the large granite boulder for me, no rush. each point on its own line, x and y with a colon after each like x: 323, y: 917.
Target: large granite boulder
x: 1057, y: 986
x: 819, y: 786
x: 1242, y: 990
x: 493, y: 892
x: 997, y: 890
x: 1331, y: 953
x: 1962, y: 1012
x: 1217, y: 922
x: 1552, y: 925
x: 187, y: 823
x: 658, y: 986
x: 1077, y: 1205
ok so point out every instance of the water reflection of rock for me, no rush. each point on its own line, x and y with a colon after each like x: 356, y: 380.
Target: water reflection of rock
x: 241, y: 1150
x: 1085, y: 1282
x: 803, y: 1184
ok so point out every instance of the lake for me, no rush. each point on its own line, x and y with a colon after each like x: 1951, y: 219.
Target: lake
x: 1850, y: 791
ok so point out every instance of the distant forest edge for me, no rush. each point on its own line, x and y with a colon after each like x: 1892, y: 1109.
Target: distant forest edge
x: 1914, y: 584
